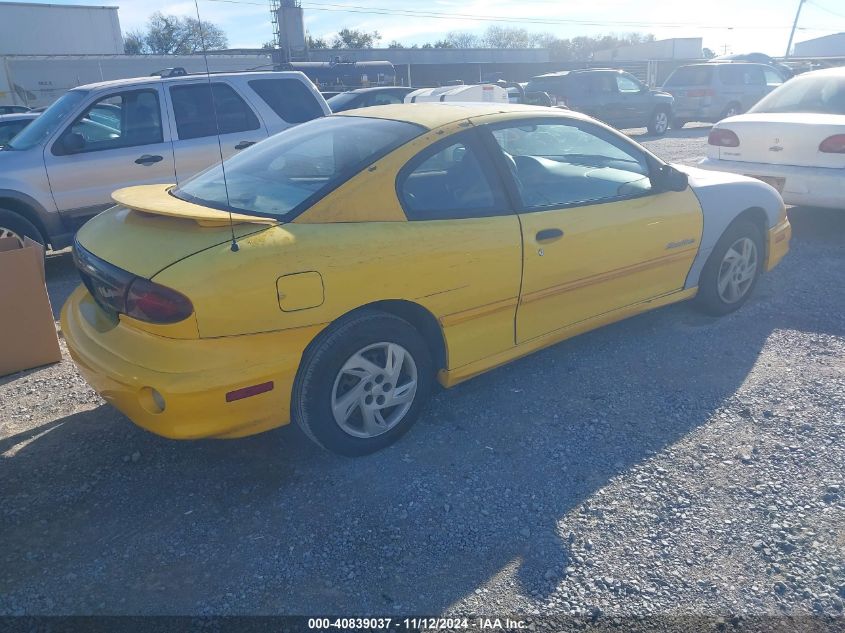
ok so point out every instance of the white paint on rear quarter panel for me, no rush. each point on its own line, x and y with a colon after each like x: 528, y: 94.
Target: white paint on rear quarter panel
x: 723, y: 197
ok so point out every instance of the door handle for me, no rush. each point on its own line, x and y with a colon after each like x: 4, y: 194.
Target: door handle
x: 548, y: 235
x: 244, y: 144
x: 148, y: 159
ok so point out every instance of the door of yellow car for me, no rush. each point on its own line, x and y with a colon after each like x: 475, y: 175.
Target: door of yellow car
x: 597, y: 235
x: 463, y: 224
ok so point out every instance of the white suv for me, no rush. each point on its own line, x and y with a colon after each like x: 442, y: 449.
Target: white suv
x: 61, y: 170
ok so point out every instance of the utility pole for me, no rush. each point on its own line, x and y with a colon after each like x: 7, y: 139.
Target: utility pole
x: 794, y: 26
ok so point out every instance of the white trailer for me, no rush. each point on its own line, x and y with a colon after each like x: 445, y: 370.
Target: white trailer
x: 482, y: 93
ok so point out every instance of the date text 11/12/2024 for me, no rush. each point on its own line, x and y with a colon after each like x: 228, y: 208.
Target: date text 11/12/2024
x: 416, y: 624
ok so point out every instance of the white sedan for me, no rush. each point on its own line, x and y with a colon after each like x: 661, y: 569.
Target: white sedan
x: 793, y: 139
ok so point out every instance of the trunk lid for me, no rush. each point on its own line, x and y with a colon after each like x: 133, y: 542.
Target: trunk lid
x: 151, y: 229
x: 783, y: 139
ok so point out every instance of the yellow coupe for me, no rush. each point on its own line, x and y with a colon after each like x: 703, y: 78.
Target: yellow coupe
x: 342, y: 266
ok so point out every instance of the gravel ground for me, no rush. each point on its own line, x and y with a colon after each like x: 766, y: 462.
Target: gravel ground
x: 670, y: 464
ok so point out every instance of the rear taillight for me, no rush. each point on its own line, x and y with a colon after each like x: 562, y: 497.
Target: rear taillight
x: 722, y: 138
x: 833, y: 144
x: 154, y: 303
x: 119, y: 291
x: 701, y: 92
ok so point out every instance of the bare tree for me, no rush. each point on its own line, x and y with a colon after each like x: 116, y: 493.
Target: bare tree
x: 581, y: 48
x: 506, y: 37
x: 463, y: 39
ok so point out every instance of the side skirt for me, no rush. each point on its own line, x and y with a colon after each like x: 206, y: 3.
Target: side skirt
x: 452, y: 377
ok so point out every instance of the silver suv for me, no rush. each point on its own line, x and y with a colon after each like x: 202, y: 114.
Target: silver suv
x: 715, y: 90
x: 61, y: 170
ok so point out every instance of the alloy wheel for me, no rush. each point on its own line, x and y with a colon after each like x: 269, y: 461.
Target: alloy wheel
x: 737, y: 270
x: 5, y: 232
x: 661, y: 122
x: 374, y: 389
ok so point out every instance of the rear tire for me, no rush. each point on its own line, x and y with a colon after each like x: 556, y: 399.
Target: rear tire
x: 16, y: 226
x: 677, y: 124
x: 732, y: 270
x: 658, y: 124
x: 349, y: 376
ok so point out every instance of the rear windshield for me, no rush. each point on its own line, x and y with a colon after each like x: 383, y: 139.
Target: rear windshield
x: 293, y: 169
x: 343, y: 101
x: 289, y: 98
x: 690, y: 76
x: 820, y: 94
x: 552, y: 85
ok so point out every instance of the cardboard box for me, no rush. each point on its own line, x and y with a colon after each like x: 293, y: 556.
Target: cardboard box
x: 27, y: 331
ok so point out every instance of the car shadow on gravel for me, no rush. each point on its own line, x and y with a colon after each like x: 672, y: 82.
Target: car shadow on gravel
x: 99, y: 516
x: 62, y: 278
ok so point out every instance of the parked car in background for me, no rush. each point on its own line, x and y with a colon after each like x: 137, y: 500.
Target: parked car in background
x: 11, y: 124
x: 711, y: 91
x: 613, y: 96
x: 13, y: 109
x: 62, y: 169
x: 380, y: 250
x: 793, y: 139
x: 758, y: 58
x: 366, y: 97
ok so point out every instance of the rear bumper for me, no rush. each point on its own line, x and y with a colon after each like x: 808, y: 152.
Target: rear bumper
x: 811, y: 186
x: 711, y: 112
x: 193, y: 376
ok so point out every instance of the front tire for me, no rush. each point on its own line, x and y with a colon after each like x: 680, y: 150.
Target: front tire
x: 659, y: 122
x: 18, y: 227
x: 362, y: 383
x: 732, y: 271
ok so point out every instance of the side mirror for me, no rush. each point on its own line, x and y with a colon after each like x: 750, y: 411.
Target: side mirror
x: 73, y: 142
x: 669, y: 178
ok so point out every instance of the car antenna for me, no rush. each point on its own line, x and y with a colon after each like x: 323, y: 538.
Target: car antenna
x: 235, y: 248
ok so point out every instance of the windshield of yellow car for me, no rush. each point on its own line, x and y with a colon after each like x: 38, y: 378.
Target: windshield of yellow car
x: 290, y: 171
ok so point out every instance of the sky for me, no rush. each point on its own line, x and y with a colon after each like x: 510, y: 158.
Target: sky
x: 726, y: 25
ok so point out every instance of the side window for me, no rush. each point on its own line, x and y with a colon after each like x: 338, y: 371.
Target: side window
x: 602, y: 83
x: 195, y: 114
x: 126, y: 119
x: 731, y: 75
x: 559, y: 164
x: 576, y: 86
x: 288, y: 98
x: 753, y: 76
x: 448, y: 181
x: 627, y: 84
x: 772, y: 77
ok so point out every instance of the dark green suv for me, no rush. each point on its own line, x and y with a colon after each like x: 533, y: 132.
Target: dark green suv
x: 613, y: 96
